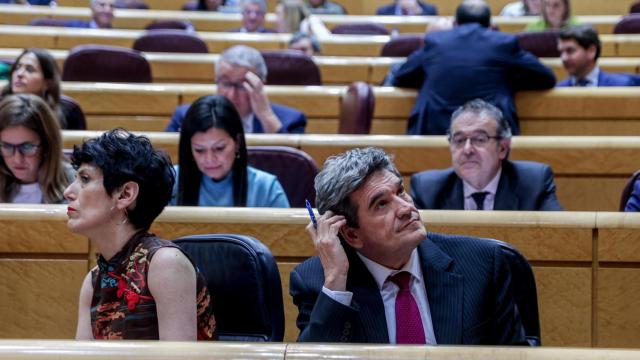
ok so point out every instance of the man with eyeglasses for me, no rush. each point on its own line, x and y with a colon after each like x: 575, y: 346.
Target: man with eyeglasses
x: 253, y: 12
x: 240, y: 75
x: 482, y: 178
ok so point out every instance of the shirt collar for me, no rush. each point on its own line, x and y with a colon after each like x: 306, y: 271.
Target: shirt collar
x: 592, y: 77
x: 381, y: 273
x: 491, y: 187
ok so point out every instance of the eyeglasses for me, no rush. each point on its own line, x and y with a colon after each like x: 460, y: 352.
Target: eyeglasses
x: 477, y: 140
x: 253, y: 12
x: 26, y: 149
x: 238, y: 86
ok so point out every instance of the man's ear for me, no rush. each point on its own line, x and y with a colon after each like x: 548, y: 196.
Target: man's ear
x: 127, y: 195
x: 503, y: 148
x: 591, y: 51
x: 350, y: 236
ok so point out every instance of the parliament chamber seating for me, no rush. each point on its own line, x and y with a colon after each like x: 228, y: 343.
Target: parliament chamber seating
x: 290, y: 67
x: 540, y: 43
x: 629, y: 24
x: 170, y: 41
x: 169, y: 24
x: 402, y: 45
x: 243, y: 279
x: 586, y: 264
x: 295, y: 169
x: 101, y: 63
x: 364, y: 28
x: 356, y: 109
x: 74, y: 112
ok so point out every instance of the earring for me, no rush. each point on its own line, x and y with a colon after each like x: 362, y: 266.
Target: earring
x: 238, y: 155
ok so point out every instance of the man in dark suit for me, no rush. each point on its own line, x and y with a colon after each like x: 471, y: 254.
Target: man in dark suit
x: 579, y: 48
x: 481, y: 177
x: 101, y: 16
x: 470, y: 61
x: 386, y: 280
x: 240, y: 75
x: 253, y: 12
x: 407, y: 7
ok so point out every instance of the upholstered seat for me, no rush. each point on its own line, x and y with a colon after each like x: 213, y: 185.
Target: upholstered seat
x: 295, y: 169
x: 290, y: 67
x: 102, y: 63
x: 402, y: 46
x: 73, y: 114
x: 629, y: 24
x: 356, y: 111
x: 244, y: 282
x: 627, y: 190
x: 360, y: 29
x: 170, y: 40
x: 170, y: 24
x: 540, y: 43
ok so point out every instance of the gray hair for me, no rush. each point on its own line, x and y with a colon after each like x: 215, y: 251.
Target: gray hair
x: 343, y: 174
x: 261, y: 3
x: 245, y: 56
x: 480, y: 107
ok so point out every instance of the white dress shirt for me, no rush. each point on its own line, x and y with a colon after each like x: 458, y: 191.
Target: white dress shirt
x: 389, y: 291
x: 592, y: 77
x: 491, y: 188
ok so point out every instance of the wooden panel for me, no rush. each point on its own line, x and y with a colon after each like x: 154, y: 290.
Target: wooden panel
x: 564, y: 300
x: 618, y: 307
x: 40, y: 297
x: 53, y: 237
x: 131, y: 123
x: 122, y: 99
x: 618, y: 237
x: 290, y: 310
x: 582, y: 193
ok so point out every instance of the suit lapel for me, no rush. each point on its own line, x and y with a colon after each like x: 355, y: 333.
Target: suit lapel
x: 367, y: 299
x: 444, y: 291
x: 506, y: 196
x: 455, y: 200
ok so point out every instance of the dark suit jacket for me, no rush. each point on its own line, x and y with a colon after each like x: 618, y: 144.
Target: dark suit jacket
x: 523, y: 185
x: 468, y: 62
x: 608, y: 79
x: 293, y: 121
x: 468, y: 285
x: 633, y: 204
x: 261, y: 30
x: 390, y: 9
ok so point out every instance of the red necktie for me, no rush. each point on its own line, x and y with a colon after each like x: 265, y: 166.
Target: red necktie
x: 409, y: 329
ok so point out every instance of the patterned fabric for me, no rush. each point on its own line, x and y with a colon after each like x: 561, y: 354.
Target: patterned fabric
x: 409, y: 328
x: 122, y: 306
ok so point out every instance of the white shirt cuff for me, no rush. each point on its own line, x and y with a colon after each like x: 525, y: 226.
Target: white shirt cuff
x: 343, y: 297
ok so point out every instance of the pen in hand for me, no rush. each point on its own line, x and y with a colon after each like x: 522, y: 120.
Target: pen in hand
x: 311, y: 215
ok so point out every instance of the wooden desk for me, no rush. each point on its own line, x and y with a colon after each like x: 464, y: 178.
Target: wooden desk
x: 590, y: 172
x: 13, y: 36
x: 213, y: 21
x: 445, y: 7
x: 585, y: 300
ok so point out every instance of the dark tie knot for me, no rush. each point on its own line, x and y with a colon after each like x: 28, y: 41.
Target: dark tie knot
x: 479, y: 197
x: 583, y: 82
x: 402, y: 279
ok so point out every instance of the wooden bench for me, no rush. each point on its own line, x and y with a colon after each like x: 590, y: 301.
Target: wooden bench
x: 563, y: 111
x: 14, y: 36
x: 445, y: 7
x: 212, y: 21
x: 590, y: 172
x: 586, y: 264
x: 334, y: 70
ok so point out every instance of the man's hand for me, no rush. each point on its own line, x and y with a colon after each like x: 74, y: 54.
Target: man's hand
x: 260, y: 103
x: 332, y: 256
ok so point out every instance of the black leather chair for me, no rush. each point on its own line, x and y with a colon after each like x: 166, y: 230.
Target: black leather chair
x: 101, y: 63
x: 295, y: 169
x: 628, y: 189
x: 73, y: 114
x: 170, y: 24
x: 290, y: 67
x: 635, y: 8
x: 524, y: 291
x: 244, y: 282
x: 356, y: 109
x: 360, y: 29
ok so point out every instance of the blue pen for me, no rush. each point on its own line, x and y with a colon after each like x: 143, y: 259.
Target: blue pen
x: 310, y: 210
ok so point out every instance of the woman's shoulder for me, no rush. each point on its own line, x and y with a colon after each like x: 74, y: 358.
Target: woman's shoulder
x: 258, y: 175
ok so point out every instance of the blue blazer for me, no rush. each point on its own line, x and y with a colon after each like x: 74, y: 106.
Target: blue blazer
x: 390, y: 9
x: 633, y: 204
x: 78, y: 24
x: 468, y: 62
x: 609, y: 79
x: 468, y: 285
x: 523, y: 185
x: 293, y: 121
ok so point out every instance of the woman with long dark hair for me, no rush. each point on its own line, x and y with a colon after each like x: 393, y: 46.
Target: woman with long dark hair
x: 213, y: 169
